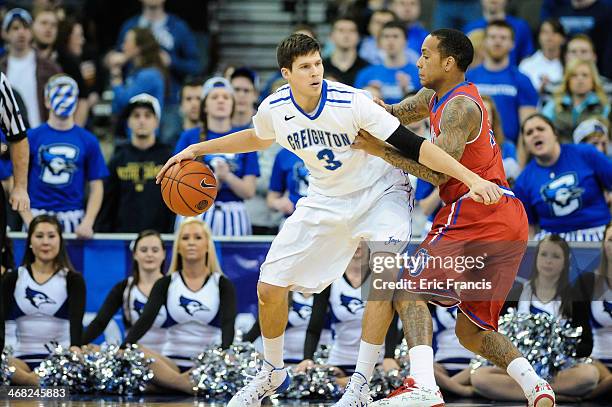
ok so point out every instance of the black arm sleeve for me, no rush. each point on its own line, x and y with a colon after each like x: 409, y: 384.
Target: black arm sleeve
x: 512, y: 301
x: 394, y: 337
x: 8, y: 281
x: 75, y: 283
x: 316, y: 323
x: 407, y: 142
x: 157, y: 298
x: 582, y: 293
x: 111, y: 304
x: 228, y: 309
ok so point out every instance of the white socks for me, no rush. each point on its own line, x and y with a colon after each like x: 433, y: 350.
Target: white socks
x: 273, y: 350
x: 421, y: 365
x: 521, y: 371
x: 367, y: 359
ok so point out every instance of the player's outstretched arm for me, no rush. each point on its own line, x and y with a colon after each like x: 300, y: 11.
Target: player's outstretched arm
x: 461, y: 119
x: 413, y: 108
x: 243, y: 141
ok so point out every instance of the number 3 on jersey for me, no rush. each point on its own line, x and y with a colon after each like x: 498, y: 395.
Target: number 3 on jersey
x: 328, y: 156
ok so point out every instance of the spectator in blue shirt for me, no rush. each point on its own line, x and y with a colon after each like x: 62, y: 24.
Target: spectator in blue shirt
x: 590, y: 17
x: 64, y: 160
x: 409, y: 12
x: 395, y: 78
x: 236, y: 173
x: 512, y: 91
x: 369, y: 49
x: 147, y: 75
x: 180, y: 51
x: 562, y: 187
x: 288, y: 182
x: 494, y: 10
x: 180, y: 55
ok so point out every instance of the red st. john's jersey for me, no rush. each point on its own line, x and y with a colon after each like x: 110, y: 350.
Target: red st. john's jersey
x: 482, y: 155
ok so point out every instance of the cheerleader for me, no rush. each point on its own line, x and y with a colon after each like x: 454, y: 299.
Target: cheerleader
x: 45, y: 297
x: 548, y: 291
x: 300, y: 312
x: 598, y: 287
x: 343, y: 300
x: 452, y: 360
x: 200, y: 304
x: 131, y: 294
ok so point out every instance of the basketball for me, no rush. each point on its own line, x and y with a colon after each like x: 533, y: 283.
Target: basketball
x: 189, y: 188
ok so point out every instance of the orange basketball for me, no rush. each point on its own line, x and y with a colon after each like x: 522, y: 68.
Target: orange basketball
x: 189, y: 188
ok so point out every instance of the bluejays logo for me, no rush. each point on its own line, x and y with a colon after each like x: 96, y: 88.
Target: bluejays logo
x: 302, y: 310
x: 37, y: 298
x: 138, y: 307
x: 353, y: 305
x: 192, y: 306
x: 608, y: 308
x: 301, y: 175
x: 57, y: 163
x: 563, y: 194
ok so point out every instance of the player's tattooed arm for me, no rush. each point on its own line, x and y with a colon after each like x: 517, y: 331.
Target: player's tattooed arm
x: 460, y: 123
x: 413, y: 108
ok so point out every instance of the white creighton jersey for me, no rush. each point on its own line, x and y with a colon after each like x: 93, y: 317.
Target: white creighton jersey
x: 193, y: 318
x: 40, y: 312
x: 323, y: 138
x: 530, y: 304
x: 601, y: 321
x: 448, y: 349
x: 155, y: 338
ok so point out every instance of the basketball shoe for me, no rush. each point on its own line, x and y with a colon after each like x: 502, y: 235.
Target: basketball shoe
x: 357, y: 393
x: 542, y: 395
x: 413, y: 395
x: 267, y: 382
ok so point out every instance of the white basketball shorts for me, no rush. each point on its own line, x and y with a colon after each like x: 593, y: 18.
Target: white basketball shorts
x: 317, y: 242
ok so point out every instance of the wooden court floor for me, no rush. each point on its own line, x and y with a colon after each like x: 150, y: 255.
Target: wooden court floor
x: 180, y: 401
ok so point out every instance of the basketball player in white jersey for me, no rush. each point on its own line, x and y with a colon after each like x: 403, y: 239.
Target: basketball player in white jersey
x: 352, y: 196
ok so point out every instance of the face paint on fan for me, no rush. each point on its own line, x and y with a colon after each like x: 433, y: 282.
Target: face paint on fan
x: 62, y: 93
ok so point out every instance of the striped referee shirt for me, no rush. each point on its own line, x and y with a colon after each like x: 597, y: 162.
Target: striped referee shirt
x: 11, y: 121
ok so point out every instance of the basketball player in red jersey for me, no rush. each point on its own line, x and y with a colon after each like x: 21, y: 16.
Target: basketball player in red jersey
x: 461, y: 127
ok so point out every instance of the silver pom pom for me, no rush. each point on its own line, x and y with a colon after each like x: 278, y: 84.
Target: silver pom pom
x: 547, y: 342
x: 113, y: 371
x: 6, y: 370
x: 218, y: 374
x: 63, y: 368
x: 316, y: 383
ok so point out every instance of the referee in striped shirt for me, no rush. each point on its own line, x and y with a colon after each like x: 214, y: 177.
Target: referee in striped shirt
x: 11, y: 124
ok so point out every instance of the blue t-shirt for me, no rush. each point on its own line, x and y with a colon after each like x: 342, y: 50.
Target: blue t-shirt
x: 386, y: 78
x: 6, y: 166
x: 241, y: 164
x: 568, y: 195
x: 61, y: 162
x: 289, y: 174
x: 523, y: 42
x: 423, y: 190
x: 510, y: 89
x: 416, y: 35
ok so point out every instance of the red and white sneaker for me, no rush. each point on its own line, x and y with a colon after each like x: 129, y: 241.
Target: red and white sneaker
x: 542, y: 395
x: 411, y: 394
